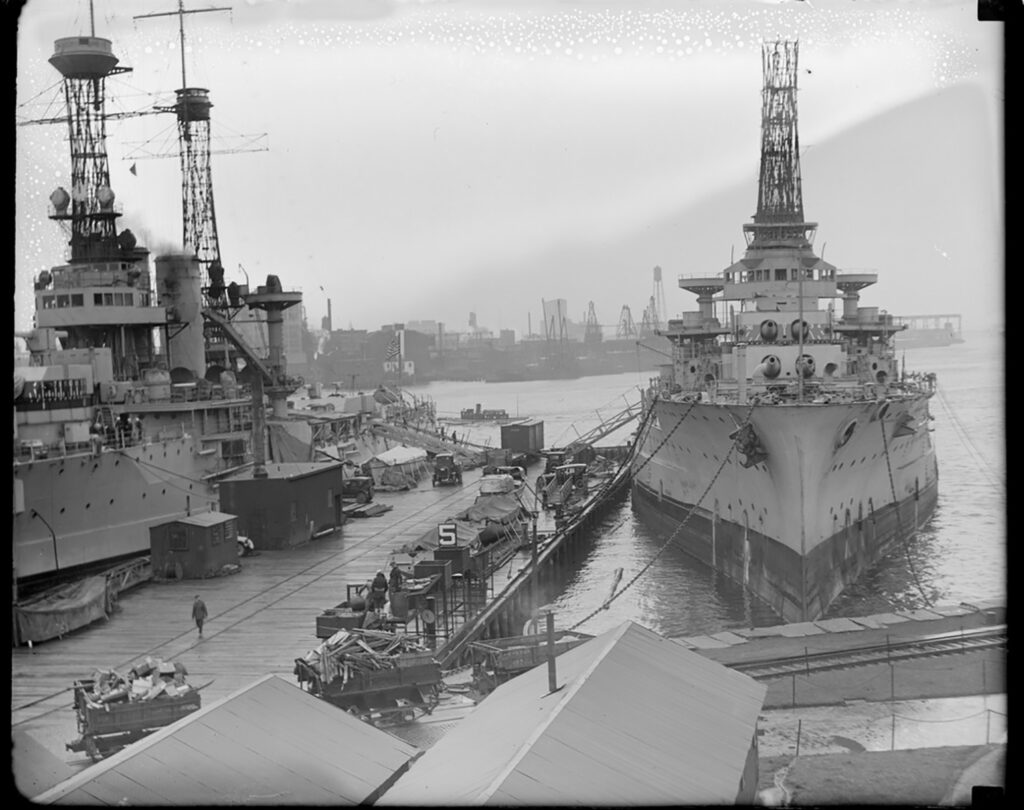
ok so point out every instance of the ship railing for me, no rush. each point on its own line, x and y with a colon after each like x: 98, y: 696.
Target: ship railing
x: 108, y: 439
x: 190, y: 392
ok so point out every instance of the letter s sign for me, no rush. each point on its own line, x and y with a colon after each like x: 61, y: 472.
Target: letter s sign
x: 447, y: 534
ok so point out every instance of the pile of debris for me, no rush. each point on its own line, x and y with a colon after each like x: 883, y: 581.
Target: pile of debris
x: 355, y: 652
x: 150, y: 680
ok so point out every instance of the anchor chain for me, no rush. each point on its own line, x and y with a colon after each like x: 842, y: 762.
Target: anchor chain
x: 899, y: 522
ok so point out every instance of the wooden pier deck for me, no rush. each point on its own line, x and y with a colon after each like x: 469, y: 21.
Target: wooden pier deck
x: 260, y: 620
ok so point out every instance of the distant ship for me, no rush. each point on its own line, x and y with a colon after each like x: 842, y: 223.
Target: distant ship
x: 783, y: 445
x: 921, y: 331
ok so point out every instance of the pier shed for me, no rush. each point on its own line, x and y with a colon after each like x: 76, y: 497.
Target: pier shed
x: 194, y: 547
x: 635, y: 718
x: 525, y: 436
x: 268, y: 743
x: 296, y: 502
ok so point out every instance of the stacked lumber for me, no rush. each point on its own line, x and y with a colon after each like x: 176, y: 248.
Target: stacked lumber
x: 150, y: 680
x: 359, y: 652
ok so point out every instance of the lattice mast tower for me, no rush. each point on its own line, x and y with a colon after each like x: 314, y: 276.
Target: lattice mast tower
x: 779, y: 221
x: 85, y: 63
x: 198, y: 215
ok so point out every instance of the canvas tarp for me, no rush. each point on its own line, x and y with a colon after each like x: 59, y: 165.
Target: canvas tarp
x: 486, y: 521
x: 398, y: 468
x: 59, y: 612
x: 286, y: 447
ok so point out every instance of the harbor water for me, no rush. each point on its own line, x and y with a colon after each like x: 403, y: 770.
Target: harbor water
x: 959, y: 555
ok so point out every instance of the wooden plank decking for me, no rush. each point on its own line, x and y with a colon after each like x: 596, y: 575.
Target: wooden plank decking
x: 260, y: 620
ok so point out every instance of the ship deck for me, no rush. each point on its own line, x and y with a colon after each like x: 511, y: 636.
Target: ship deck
x: 261, y: 619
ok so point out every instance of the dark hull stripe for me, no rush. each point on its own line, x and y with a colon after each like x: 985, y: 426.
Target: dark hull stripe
x: 797, y: 589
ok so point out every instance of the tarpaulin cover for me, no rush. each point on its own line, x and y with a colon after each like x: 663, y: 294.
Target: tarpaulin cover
x: 401, y: 455
x: 486, y: 521
x: 60, y: 612
x: 495, y: 508
x: 284, y: 447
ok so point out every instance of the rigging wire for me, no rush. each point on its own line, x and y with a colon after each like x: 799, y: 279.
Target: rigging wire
x: 672, y: 537
x: 972, y: 450
x: 899, y: 521
x: 140, y: 462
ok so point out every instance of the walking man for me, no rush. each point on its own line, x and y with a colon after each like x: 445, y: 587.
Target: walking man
x: 199, y: 613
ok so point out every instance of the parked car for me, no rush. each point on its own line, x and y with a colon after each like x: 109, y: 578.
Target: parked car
x: 358, y: 488
x: 446, y: 469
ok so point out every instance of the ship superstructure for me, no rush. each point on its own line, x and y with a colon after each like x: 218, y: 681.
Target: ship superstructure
x: 116, y: 427
x: 786, y: 447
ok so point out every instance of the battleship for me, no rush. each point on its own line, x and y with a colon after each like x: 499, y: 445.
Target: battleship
x: 784, y: 445
x: 136, y: 391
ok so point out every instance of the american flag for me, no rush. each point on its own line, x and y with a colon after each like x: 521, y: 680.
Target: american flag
x: 394, y: 348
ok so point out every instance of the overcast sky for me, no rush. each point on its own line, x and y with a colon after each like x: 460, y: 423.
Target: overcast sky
x: 431, y: 159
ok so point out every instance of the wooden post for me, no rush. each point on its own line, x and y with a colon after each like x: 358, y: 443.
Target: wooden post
x: 799, y: 730
x: 552, y: 676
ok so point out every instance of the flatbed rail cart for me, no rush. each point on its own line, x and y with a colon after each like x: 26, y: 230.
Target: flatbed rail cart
x: 400, y: 693
x: 106, y: 728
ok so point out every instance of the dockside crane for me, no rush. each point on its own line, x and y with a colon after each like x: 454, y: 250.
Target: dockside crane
x: 626, y: 328
x: 592, y: 329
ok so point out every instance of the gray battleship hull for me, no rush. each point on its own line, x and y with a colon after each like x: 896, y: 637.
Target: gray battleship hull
x: 808, y: 519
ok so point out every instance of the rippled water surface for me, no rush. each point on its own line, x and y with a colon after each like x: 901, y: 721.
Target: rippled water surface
x: 959, y: 555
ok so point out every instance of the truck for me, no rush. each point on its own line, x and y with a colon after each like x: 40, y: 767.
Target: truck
x: 446, y: 469
x: 358, y: 488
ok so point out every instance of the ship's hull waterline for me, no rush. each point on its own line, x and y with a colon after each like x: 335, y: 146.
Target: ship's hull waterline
x: 810, y: 518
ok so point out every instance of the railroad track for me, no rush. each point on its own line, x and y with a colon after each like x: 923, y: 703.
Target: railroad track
x: 952, y: 643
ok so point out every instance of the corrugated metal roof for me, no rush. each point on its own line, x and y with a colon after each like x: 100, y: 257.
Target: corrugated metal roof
x: 639, y: 719
x: 269, y: 743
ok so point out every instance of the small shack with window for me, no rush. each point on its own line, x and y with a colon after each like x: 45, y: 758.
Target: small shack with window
x: 294, y: 503
x: 194, y: 547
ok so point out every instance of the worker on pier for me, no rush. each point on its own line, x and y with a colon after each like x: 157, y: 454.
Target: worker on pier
x: 395, y: 579
x: 378, y: 591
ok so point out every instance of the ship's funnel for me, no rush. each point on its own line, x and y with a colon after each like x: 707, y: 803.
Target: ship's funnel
x: 178, y: 285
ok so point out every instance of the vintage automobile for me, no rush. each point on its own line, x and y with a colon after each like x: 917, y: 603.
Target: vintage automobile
x: 358, y: 488
x: 446, y: 470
